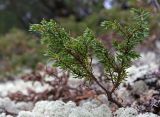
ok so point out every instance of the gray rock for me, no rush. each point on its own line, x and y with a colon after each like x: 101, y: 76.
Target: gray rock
x: 139, y: 87
x: 7, y: 105
x: 126, y: 112
x: 4, y: 115
x: 23, y: 106
x: 147, y: 115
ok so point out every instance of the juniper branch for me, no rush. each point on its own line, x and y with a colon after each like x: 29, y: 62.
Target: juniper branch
x: 76, y: 54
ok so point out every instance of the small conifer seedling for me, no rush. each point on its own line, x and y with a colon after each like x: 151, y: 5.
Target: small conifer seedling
x: 75, y: 54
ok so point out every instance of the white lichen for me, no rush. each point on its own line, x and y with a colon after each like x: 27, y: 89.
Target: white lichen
x: 61, y: 109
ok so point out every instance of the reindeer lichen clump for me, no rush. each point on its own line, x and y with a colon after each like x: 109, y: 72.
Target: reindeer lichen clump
x: 75, y: 54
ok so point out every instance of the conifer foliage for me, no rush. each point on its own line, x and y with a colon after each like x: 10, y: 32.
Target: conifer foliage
x: 76, y: 54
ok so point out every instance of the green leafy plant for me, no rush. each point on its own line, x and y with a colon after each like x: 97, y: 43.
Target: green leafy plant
x: 76, y: 54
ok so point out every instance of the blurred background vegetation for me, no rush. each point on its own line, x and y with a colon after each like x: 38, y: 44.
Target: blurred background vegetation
x: 20, y: 50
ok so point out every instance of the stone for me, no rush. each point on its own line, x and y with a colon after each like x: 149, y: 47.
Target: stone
x: 139, y: 87
x: 126, y: 112
x: 147, y: 115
